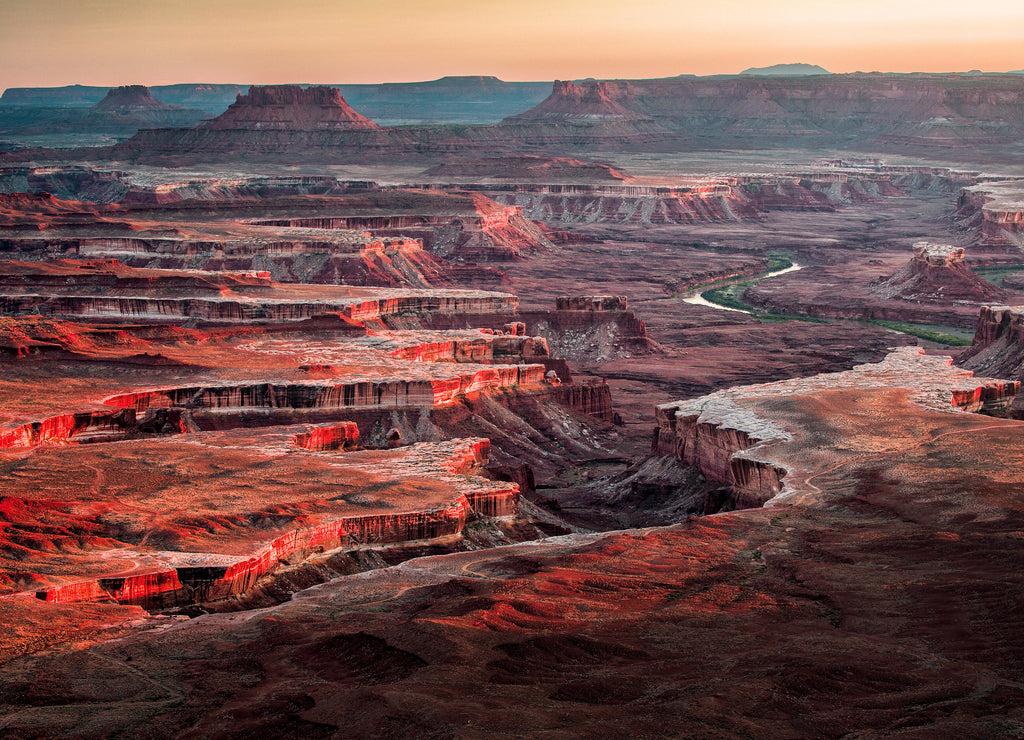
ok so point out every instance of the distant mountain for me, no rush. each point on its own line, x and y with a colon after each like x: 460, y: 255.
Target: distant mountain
x: 780, y: 70
x: 290, y: 108
x: 120, y: 114
x: 212, y: 99
x: 130, y: 98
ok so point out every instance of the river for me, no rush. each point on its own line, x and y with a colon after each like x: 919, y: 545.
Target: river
x: 697, y: 300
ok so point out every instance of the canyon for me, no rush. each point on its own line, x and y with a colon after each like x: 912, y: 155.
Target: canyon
x: 671, y: 408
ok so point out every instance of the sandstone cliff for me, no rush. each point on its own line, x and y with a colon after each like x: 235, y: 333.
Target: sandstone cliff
x: 998, y: 346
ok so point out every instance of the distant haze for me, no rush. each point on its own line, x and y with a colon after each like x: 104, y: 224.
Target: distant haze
x: 114, y: 42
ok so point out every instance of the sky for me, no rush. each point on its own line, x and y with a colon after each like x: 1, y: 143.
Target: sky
x: 115, y: 42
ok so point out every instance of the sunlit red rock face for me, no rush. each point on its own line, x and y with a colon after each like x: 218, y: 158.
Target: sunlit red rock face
x: 257, y: 408
x: 830, y: 612
x: 222, y: 542
x: 732, y: 443
x: 866, y: 602
x: 460, y: 225
x: 709, y: 199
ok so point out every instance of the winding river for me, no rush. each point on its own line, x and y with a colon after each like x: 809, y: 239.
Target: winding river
x: 697, y: 299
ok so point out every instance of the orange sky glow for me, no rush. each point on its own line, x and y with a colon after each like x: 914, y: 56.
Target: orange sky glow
x: 113, y: 42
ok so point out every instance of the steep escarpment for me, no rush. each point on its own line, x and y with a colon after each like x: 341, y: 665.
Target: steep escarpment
x: 993, y: 212
x: 219, y: 565
x: 308, y: 437
x: 734, y: 436
x: 109, y: 290
x: 590, y: 328
x: 885, y: 111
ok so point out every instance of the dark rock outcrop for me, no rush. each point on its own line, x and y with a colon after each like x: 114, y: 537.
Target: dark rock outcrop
x: 290, y: 108
x: 998, y: 346
x: 130, y: 98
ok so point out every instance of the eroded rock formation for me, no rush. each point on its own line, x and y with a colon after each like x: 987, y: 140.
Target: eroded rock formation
x: 290, y: 108
x: 937, y: 272
x: 129, y: 98
x: 998, y: 346
x: 994, y: 212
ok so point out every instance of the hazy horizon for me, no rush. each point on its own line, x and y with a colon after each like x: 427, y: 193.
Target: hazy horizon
x: 113, y: 42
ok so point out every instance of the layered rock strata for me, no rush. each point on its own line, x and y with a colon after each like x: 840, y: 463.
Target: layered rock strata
x: 335, y: 437
x: 589, y: 327
x: 590, y: 100
x: 173, y: 576
x: 998, y: 346
x: 211, y: 485
x: 61, y: 290
x: 290, y: 108
x: 129, y: 98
